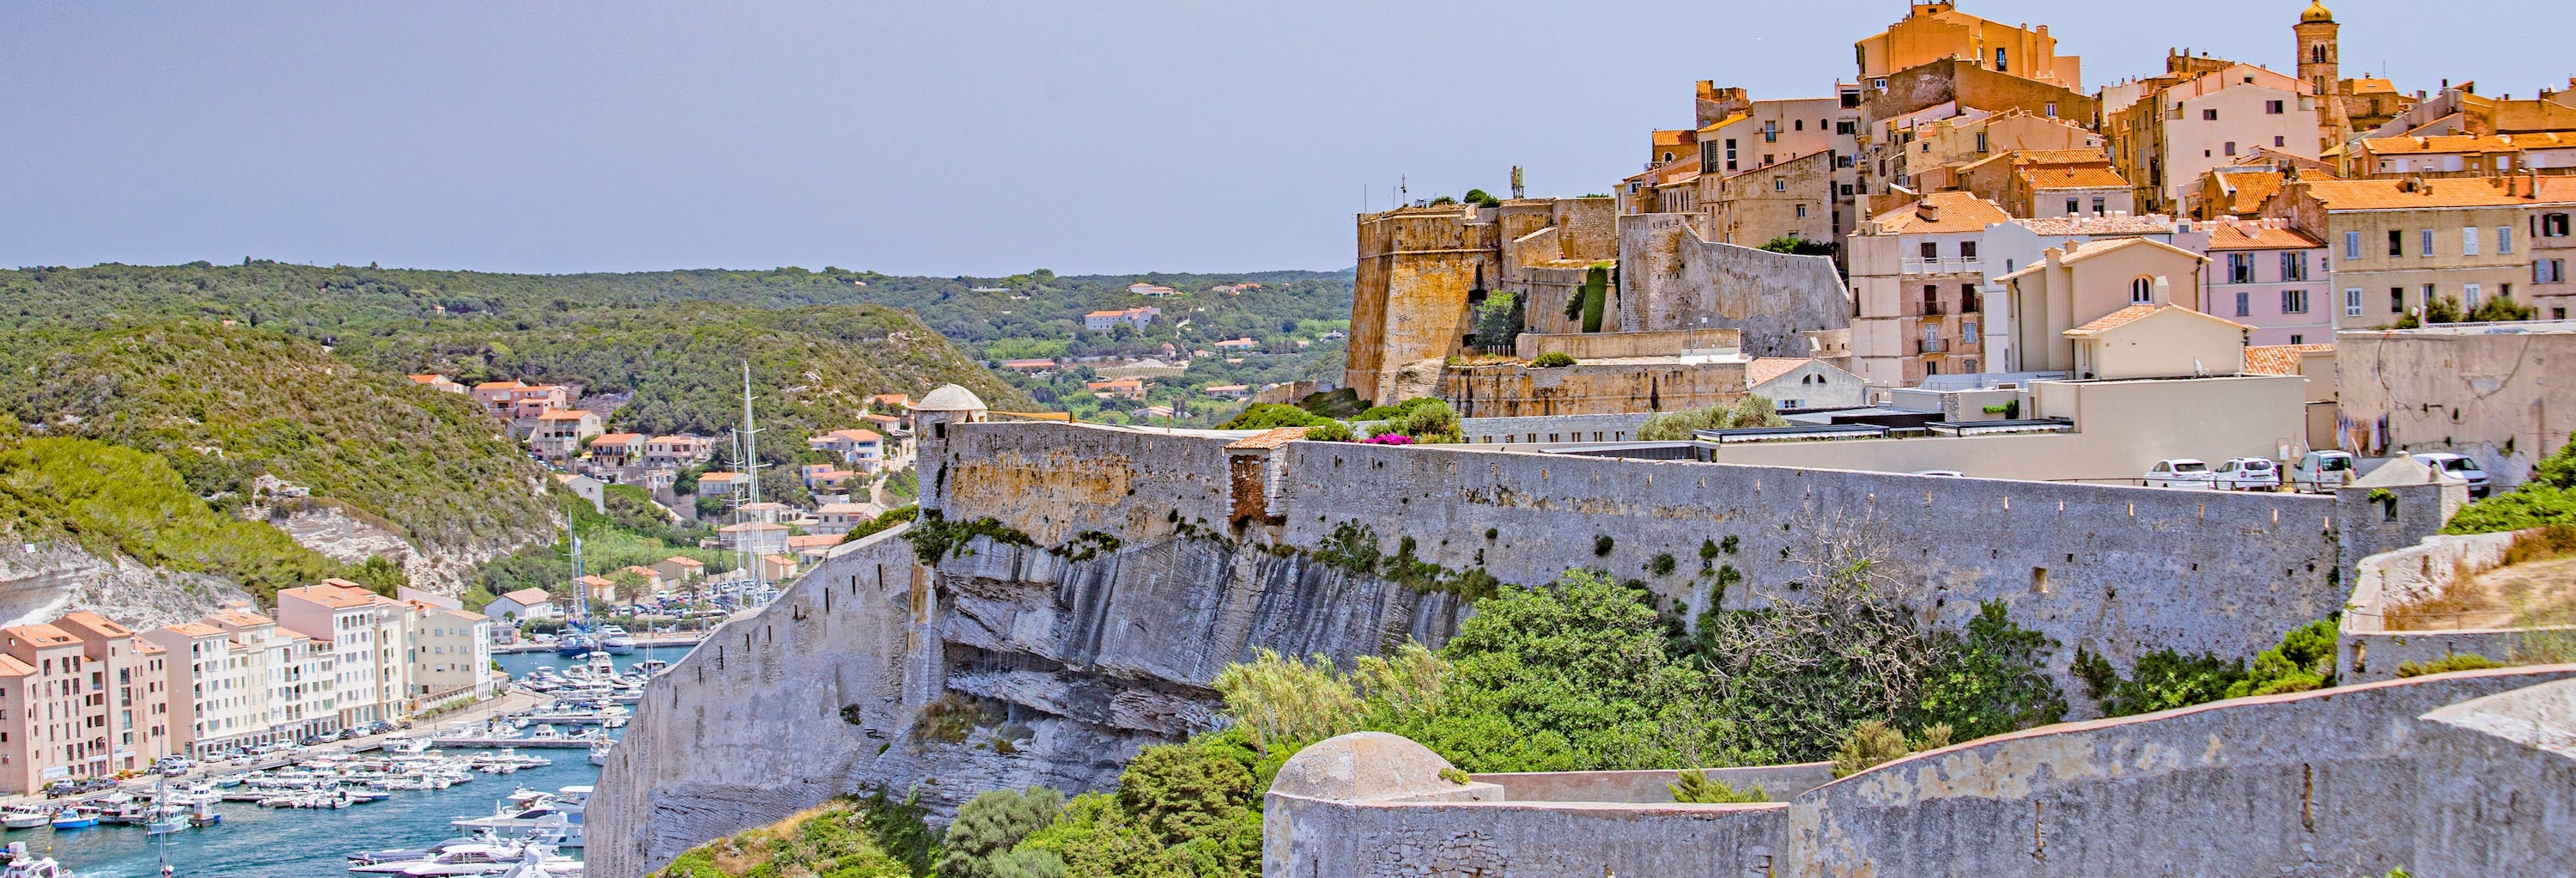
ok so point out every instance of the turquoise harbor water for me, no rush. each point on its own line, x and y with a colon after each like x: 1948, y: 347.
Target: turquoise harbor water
x: 256, y: 842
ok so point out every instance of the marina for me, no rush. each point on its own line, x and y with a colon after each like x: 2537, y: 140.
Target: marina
x: 446, y: 802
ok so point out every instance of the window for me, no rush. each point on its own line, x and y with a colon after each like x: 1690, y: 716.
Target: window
x: 2296, y: 338
x: 1771, y: 132
x: 2100, y: 205
x: 2244, y: 304
x: 1968, y: 300
x: 1967, y: 249
x: 2052, y: 109
x: 2072, y: 205
x: 1931, y: 299
x: 2396, y: 243
x: 2142, y: 291
x: 2000, y: 65
x: 2352, y: 245
x: 1843, y: 128
x: 2275, y: 108
x: 2553, y: 225
x: 2469, y: 241
x: 2430, y: 291
x: 2278, y: 140
x: 2294, y: 301
x: 2294, y: 265
x: 1967, y: 332
x: 2554, y: 314
x: 1730, y: 153
x: 2352, y: 302
x: 1931, y: 250
x: 2428, y: 244
x: 2396, y: 300
x: 2209, y: 115
x: 2469, y: 294
x: 2504, y: 240
x: 1848, y: 190
x: 1800, y: 125
x: 2231, y: 147
x: 1779, y: 184
x: 2240, y: 270
x: 2549, y: 271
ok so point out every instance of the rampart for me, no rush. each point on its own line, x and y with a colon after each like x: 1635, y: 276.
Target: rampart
x: 1671, y: 278
x: 2453, y: 774
x: 1121, y: 569
x: 2390, y: 581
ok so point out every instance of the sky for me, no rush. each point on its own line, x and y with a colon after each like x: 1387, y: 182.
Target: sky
x: 964, y: 137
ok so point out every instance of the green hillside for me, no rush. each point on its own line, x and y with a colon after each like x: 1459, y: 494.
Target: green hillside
x: 118, y: 501
x: 226, y: 405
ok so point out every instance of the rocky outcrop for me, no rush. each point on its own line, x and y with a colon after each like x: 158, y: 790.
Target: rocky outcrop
x: 335, y: 533
x: 1006, y: 667
x: 40, y: 582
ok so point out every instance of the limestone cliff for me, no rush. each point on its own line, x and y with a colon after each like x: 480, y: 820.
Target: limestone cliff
x: 42, y: 581
x: 1006, y: 667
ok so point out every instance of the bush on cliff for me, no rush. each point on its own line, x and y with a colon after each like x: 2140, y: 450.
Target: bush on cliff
x: 1751, y: 411
x: 834, y: 841
x: 1266, y: 415
x: 2548, y: 499
x: 1422, y: 419
x: 113, y: 500
x: 979, y: 843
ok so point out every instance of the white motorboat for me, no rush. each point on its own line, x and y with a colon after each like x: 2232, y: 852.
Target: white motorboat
x: 600, y: 749
x: 25, y: 865
x: 24, y: 818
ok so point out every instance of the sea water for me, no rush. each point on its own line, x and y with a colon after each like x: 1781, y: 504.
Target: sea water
x: 256, y: 842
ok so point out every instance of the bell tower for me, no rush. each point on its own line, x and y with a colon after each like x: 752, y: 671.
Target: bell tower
x: 2320, y: 53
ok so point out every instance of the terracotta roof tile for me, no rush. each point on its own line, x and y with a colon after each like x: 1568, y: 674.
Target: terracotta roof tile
x: 2252, y: 236
x: 1763, y: 369
x: 527, y: 597
x: 2279, y: 359
x: 2074, y: 178
x: 2114, y: 319
x: 1955, y: 212
x: 196, y: 629
x: 2390, y: 194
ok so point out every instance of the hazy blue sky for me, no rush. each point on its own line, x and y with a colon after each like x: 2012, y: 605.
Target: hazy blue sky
x: 943, y: 138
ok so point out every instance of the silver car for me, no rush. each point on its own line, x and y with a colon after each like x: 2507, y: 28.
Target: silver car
x: 2181, y: 472
x: 2247, y: 474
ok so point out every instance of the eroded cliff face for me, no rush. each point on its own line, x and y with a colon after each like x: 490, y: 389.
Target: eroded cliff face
x: 39, y: 582
x: 1005, y: 667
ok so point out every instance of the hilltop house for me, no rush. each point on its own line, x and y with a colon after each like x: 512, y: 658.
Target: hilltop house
x: 678, y: 570
x: 863, y: 450
x: 557, y: 433
x: 1103, y: 321
x: 754, y: 536
x: 717, y: 483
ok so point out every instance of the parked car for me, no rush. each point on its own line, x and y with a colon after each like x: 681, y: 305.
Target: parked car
x: 2247, y: 474
x: 2181, y: 472
x: 2459, y: 467
x: 2320, y: 472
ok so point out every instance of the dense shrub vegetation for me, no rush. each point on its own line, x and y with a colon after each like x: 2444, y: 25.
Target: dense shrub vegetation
x: 2548, y: 499
x: 1751, y: 411
x: 112, y: 500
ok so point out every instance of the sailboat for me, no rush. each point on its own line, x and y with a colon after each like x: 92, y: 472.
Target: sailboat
x: 164, y: 818
x: 575, y: 640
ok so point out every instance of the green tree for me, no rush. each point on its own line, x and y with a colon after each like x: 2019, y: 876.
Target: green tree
x: 1990, y: 680
x: 1264, y: 416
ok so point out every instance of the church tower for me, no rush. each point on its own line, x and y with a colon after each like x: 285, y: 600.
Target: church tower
x: 2321, y: 66
x: 2320, y: 61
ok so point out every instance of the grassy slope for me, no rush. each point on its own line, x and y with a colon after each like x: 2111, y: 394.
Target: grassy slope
x: 113, y: 500
x: 225, y: 405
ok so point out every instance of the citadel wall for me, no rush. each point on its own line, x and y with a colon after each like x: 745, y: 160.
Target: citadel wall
x: 1671, y: 277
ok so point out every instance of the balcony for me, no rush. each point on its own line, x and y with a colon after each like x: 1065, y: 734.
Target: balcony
x: 1922, y: 346
x: 1947, y: 265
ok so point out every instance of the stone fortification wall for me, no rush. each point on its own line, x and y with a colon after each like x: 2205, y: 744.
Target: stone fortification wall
x: 2370, y: 651
x: 1594, y: 387
x: 1671, y: 277
x: 1596, y: 345
x: 2116, y: 570
x: 1056, y: 481
x: 2456, y: 774
x: 1564, y: 428
x: 1779, y: 782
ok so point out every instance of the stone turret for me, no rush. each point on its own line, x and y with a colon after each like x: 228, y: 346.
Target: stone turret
x: 950, y: 404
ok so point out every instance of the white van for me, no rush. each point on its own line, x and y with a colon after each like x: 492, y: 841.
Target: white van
x: 2321, y: 472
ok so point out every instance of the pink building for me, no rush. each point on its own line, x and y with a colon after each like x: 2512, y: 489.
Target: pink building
x: 2264, y: 273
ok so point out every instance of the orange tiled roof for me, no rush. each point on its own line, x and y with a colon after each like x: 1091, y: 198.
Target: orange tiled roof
x: 2391, y: 194
x: 2251, y: 236
x: 332, y: 595
x: 196, y: 629
x: 1763, y: 369
x: 1956, y: 212
x: 859, y: 435
x: 2467, y: 143
x: 616, y: 439
x: 564, y: 415
x: 2279, y: 359
x: 2115, y: 319
x: 2061, y: 156
x: 2253, y: 189
x: 497, y: 385
x: 2074, y: 178
x: 98, y: 623
x: 684, y: 561
x: 527, y: 597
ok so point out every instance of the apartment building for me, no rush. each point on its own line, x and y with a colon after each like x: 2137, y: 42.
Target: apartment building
x: 136, y: 702
x: 2461, y: 155
x: 451, y: 654
x: 557, y: 433
x: 2398, y: 244
x: 2049, y: 183
x: 2267, y: 275
x: 368, y: 635
x: 1943, y: 146
x: 1918, y: 276
x: 46, y: 731
x: 2552, y: 203
x: 2166, y: 133
x: 298, y: 695
x: 219, y: 691
x: 1938, y: 31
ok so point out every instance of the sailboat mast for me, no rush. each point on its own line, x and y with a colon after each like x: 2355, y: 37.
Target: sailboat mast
x: 748, y: 442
